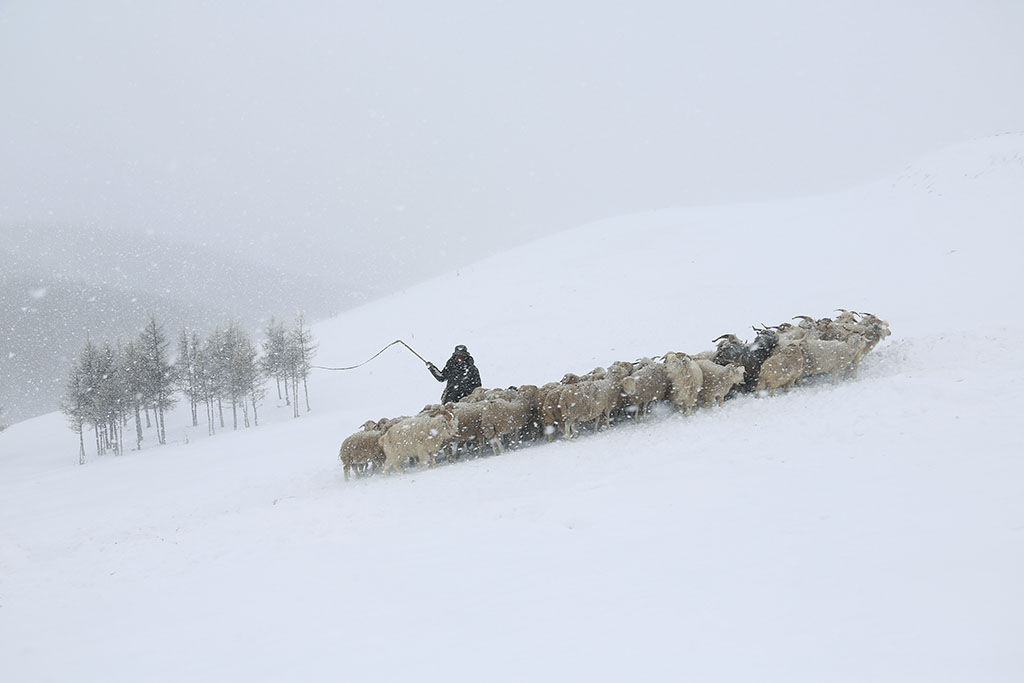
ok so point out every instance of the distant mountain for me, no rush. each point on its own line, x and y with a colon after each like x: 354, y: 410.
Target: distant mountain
x: 60, y: 286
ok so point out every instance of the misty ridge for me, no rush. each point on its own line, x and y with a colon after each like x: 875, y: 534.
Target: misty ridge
x: 63, y: 286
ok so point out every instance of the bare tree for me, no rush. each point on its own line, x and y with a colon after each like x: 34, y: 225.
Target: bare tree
x: 302, y: 350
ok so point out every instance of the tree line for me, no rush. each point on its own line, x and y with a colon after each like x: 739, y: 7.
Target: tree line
x: 137, y: 381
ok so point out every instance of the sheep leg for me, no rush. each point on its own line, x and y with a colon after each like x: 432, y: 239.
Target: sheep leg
x: 391, y: 464
x: 423, y: 456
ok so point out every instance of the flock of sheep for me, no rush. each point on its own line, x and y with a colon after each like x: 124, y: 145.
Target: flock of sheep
x: 779, y: 357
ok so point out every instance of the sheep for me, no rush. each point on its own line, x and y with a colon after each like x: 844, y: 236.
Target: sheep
x: 470, y: 429
x: 361, y: 451
x: 685, y: 379
x: 508, y: 417
x: 833, y: 357
x: 571, y: 405
x: 718, y: 381
x: 621, y: 368
x: 420, y: 437
x: 647, y: 384
x: 550, y: 414
x: 595, y: 399
x: 483, y: 394
x: 783, y: 369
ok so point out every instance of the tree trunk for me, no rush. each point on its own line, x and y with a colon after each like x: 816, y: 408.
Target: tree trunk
x: 287, y: 399
x: 162, y: 431
x: 138, y: 430
x: 81, y: 445
x: 255, y: 419
x: 234, y: 414
x: 295, y: 392
x: 305, y: 388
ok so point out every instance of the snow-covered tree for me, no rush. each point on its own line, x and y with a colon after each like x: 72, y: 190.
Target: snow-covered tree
x: 134, y: 385
x: 301, y: 349
x: 158, y: 374
x: 75, y: 405
x: 187, y: 369
x: 242, y: 369
x: 275, y: 353
x: 111, y: 398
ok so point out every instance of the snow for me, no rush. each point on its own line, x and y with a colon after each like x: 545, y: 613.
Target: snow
x: 872, y: 530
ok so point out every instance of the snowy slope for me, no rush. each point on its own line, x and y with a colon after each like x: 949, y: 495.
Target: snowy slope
x: 869, y: 531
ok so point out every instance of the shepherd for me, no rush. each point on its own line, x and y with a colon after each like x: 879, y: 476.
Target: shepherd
x: 461, y: 374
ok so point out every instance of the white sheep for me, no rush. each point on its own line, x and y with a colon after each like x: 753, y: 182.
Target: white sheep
x: 717, y: 380
x: 685, y: 380
x: 550, y: 414
x: 470, y: 429
x: 361, y: 451
x: 508, y: 417
x: 595, y: 399
x: 420, y: 437
x: 647, y: 385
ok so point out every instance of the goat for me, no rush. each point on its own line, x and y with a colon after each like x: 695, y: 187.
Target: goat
x: 783, y: 369
x: 717, y: 381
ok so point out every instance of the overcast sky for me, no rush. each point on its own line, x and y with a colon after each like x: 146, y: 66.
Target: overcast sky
x: 441, y: 129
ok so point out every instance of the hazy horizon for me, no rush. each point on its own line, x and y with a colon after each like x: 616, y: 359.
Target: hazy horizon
x: 394, y: 140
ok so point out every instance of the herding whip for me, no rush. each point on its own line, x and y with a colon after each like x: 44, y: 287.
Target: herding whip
x: 353, y: 367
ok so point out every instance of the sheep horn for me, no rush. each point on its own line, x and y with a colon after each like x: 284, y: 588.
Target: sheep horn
x: 804, y: 317
x: 724, y: 336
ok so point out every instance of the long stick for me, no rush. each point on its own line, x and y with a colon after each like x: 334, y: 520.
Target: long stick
x: 353, y: 367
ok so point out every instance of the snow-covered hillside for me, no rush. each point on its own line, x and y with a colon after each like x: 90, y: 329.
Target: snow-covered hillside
x: 868, y: 531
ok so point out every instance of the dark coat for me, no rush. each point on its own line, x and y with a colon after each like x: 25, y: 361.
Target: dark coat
x: 461, y: 375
